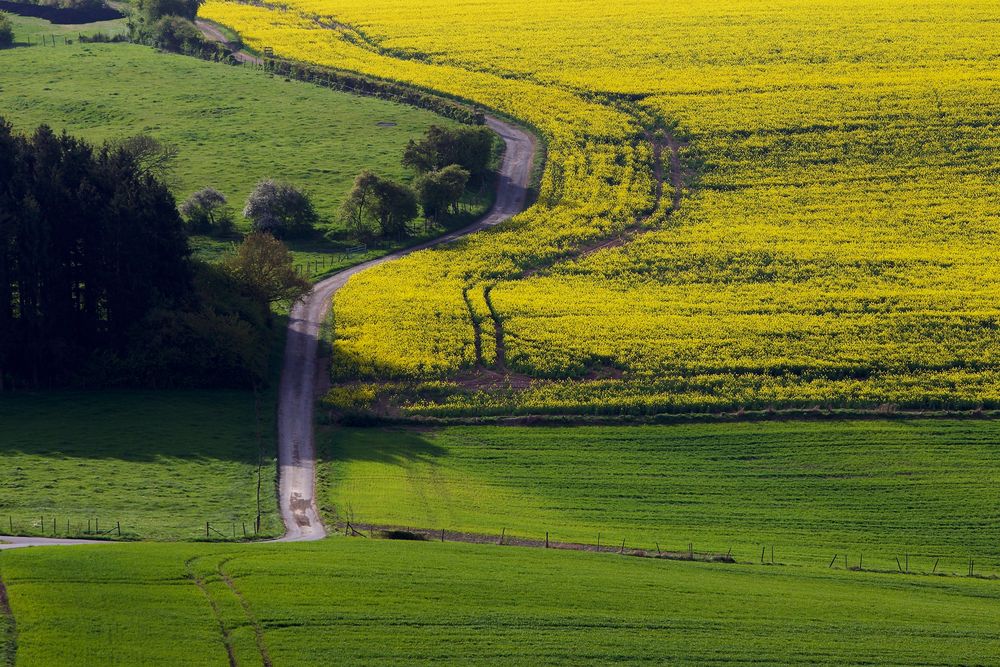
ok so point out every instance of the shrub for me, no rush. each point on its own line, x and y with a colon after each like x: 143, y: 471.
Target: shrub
x: 174, y: 33
x: 206, y: 212
x: 379, y: 202
x: 441, y: 190
x: 280, y: 209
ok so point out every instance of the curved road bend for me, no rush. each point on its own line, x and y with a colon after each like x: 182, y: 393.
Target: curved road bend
x: 297, y: 393
x: 296, y: 450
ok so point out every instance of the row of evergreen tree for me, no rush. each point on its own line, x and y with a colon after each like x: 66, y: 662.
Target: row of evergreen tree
x: 96, y: 280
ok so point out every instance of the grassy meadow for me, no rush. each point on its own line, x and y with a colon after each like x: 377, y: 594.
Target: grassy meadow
x: 232, y: 125
x: 871, y: 490
x: 160, y: 462
x: 357, y: 601
x: 31, y: 31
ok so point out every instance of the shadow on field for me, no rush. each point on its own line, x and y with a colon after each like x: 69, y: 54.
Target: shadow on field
x: 386, y: 446
x: 135, y: 426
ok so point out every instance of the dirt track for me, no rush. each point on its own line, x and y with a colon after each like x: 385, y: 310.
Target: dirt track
x: 296, y: 450
x: 213, y: 34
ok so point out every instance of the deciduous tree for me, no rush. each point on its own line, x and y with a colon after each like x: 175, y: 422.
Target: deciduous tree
x: 280, y: 209
x: 469, y: 147
x: 439, y: 191
x: 263, y: 266
x: 381, y: 203
x: 207, y: 212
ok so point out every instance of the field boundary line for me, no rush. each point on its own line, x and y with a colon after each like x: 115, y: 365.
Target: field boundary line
x: 392, y: 532
x: 727, y: 416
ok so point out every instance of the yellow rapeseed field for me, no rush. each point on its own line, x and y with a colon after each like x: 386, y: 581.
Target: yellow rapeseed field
x: 836, y: 242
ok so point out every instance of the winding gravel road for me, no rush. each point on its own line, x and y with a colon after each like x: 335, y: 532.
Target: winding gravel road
x: 296, y: 449
x: 300, y: 373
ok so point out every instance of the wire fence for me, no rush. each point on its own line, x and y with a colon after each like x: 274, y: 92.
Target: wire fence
x: 904, y: 563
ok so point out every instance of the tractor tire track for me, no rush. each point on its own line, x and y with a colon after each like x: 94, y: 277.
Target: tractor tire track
x: 226, y: 638
x: 258, y: 629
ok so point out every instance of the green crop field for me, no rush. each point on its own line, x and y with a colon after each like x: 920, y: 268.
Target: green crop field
x: 233, y: 126
x: 872, y: 489
x: 360, y: 601
x: 160, y: 462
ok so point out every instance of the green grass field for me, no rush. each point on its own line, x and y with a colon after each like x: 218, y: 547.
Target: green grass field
x: 233, y: 126
x: 357, y: 601
x: 160, y: 462
x: 875, y: 490
x: 28, y: 30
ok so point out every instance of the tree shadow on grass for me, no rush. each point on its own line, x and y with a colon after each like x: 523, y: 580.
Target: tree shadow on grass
x: 138, y: 426
x: 396, y: 447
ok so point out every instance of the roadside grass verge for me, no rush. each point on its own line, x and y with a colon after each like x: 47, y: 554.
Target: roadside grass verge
x: 865, y: 490
x: 360, y: 601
